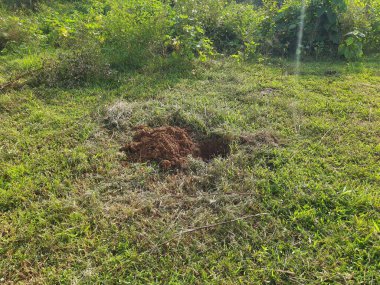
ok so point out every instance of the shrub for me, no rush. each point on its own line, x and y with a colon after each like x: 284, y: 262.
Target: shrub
x: 187, y: 39
x: 282, y: 30
x: 363, y: 16
x: 225, y: 26
x: 134, y: 32
x: 30, y: 4
x: 352, y: 46
x: 137, y: 33
x: 65, y: 27
x: 372, y: 42
x: 322, y: 29
x: 205, y: 13
x: 13, y: 32
x: 237, y: 29
x: 9, y: 31
x: 74, y: 68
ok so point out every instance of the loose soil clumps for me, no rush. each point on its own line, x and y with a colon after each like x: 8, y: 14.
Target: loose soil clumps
x: 167, y: 145
x: 170, y: 146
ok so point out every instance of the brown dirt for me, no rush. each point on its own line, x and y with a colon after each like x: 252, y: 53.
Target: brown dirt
x: 215, y: 146
x: 169, y: 146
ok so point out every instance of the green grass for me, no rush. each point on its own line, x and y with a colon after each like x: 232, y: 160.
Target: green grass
x: 71, y: 213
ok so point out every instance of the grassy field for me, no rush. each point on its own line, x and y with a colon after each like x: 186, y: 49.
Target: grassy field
x: 72, y: 211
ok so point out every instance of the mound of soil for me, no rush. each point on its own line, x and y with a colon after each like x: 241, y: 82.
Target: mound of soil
x: 170, y: 146
x: 167, y: 145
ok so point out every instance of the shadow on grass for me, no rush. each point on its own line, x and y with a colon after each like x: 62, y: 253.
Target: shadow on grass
x: 144, y: 83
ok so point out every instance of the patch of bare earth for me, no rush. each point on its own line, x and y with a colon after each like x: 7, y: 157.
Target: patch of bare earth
x: 170, y: 147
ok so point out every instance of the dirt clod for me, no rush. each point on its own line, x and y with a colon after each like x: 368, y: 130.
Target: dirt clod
x: 167, y: 145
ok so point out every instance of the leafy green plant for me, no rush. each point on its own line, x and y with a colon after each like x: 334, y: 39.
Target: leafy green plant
x: 30, y: 4
x: 187, y: 38
x: 134, y: 32
x: 15, y: 31
x: 74, y: 68
x: 140, y: 33
x: 352, y: 47
x: 220, y: 26
x: 364, y: 16
x: 322, y: 30
x: 9, y: 31
x: 324, y: 26
x: 237, y: 30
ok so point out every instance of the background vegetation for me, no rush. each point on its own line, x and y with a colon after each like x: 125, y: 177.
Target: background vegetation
x: 130, y: 34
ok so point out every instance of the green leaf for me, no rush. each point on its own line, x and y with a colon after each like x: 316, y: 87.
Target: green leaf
x: 349, y: 41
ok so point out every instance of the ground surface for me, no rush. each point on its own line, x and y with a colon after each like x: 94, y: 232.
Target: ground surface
x: 72, y: 211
